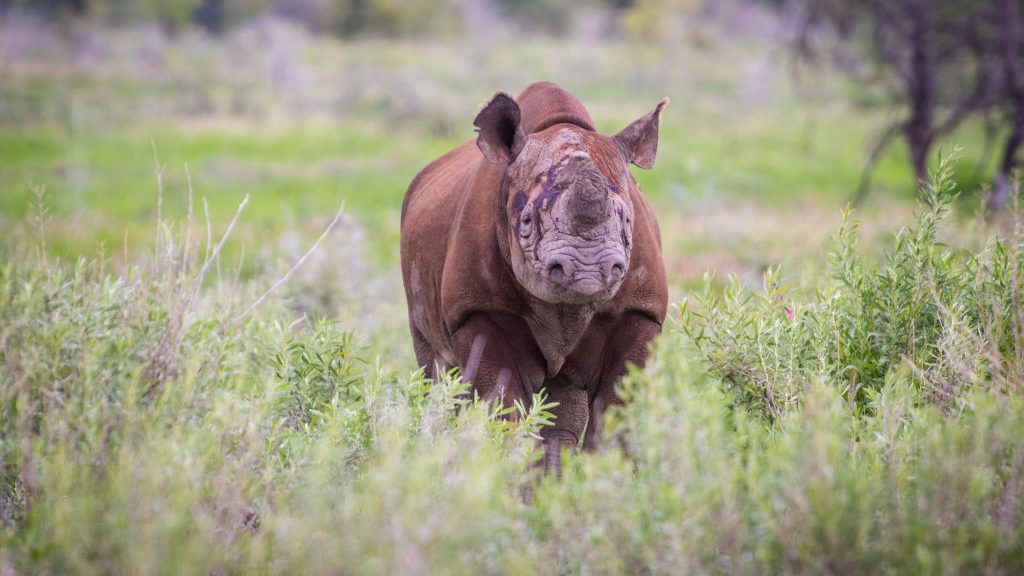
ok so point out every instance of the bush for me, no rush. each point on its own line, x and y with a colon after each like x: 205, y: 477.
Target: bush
x: 953, y: 317
x: 255, y: 429
x: 271, y: 446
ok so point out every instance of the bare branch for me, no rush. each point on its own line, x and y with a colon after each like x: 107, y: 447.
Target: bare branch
x: 186, y: 256
x: 159, y: 170
x: 293, y: 269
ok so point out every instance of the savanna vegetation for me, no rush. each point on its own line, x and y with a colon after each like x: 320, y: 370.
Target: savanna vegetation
x: 836, y: 391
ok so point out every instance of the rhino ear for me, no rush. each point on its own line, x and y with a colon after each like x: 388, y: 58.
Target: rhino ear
x: 499, y: 136
x: 639, y: 140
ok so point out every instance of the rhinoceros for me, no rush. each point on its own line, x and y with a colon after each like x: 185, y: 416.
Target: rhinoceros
x: 531, y: 260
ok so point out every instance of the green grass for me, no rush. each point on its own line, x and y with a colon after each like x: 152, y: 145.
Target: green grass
x: 297, y: 175
x: 361, y: 119
x: 296, y: 178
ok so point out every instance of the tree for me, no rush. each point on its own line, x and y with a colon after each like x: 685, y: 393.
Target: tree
x: 1010, y: 46
x: 941, y: 62
x: 217, y: 16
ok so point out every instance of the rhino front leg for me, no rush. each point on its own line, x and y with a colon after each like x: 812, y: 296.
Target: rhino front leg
x: 571, y: 417
x: 497, y: 356
x: 627, y: 345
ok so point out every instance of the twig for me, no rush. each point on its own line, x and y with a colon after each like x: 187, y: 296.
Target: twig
x: 157, y: 370
x: 294, y: 268
x: 209, y: 231
x: 209, y: 245
x: 217, y: 248
x: 159, y: 200
x: 241, y: 264
x: 186, y: 256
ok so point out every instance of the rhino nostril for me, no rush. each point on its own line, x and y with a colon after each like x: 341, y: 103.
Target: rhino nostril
x: 614, y: 272
x: 556, y: 272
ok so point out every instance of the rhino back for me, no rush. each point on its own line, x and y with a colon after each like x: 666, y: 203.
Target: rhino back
x: 438, y: 183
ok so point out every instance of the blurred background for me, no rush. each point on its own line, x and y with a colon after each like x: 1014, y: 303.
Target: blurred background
x: 783, y: 112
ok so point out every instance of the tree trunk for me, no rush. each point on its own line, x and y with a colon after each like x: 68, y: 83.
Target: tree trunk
x: 1002, y: 188
x: 919, y: 130
x: 919, y: 145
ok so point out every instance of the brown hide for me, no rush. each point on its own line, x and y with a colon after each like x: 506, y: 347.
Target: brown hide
x: 466, y: 306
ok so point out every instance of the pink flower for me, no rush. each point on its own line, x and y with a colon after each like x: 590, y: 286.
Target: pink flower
x: 790, y: 313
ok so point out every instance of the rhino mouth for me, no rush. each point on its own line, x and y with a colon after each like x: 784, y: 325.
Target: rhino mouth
x: 584, y: 291
x: 579, y: 276
x: 588, y: 288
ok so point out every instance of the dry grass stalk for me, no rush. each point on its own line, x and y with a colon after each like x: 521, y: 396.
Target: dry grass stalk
x: 293, y: 269
x: 159, y: 171
x: 159, y: 367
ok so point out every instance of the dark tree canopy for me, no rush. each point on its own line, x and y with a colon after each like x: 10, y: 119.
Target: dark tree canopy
x: 941, y: 61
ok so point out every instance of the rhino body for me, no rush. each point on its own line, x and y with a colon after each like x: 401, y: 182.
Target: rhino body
x: 531, y: 259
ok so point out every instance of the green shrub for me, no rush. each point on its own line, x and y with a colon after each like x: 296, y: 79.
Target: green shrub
x: 274, y: 446
x: 955, y: 317
x: 708, y: 487
x: 255, y: 429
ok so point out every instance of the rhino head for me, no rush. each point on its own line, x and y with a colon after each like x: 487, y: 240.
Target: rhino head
x: 567, y: 195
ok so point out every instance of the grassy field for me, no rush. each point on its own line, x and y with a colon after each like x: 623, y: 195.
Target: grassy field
x: 858, y: 411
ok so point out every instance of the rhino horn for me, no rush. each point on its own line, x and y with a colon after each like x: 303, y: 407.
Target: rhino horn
x: 588, y: 197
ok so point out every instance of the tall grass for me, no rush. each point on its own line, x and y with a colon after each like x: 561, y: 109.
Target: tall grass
x: 868, y: 422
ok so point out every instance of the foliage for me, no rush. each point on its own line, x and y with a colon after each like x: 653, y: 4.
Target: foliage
x: 940, y: 62
x: 277, y: 446
x: 644, y: 20
x: 952, y: 317
x: 344, y: 18
x: 392, y: 18
x: 256, y: 430
x: 548, y: 16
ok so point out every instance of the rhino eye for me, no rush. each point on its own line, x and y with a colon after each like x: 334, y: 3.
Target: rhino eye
x: 526, y: 223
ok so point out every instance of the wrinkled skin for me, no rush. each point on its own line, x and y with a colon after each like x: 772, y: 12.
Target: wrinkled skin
x: 572, y: 227
x: 531, y: 260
